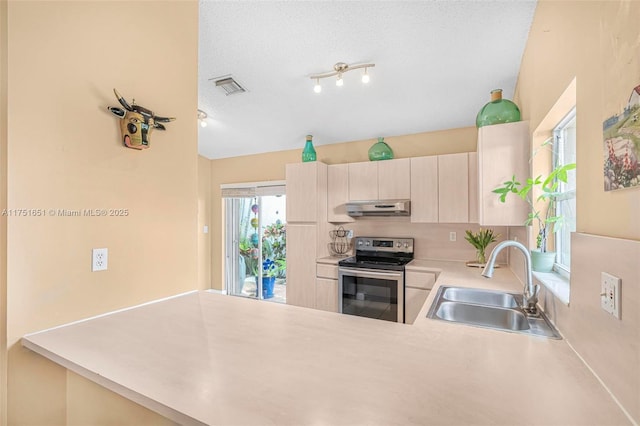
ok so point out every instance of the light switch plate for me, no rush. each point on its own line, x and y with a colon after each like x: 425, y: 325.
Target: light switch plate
x: 610, y: 294
x: 99, y: 259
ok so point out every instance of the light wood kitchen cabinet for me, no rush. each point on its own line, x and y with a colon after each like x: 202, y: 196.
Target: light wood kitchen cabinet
x: 327, y: 294
x: 440, y: 189
x: 301, y: 265
x: 424, y: 189
x: 473, y: 187
x: 394, y: 179
x: 418, y: 284
x: 419, y: 279
x: 327, y: 287
x: 324, y: 270
x: 307, y: 229
x: 306, y: 184
x: 338, y: 193
x: 380, y: 180
x: 414, y: 299
x: 453, y: 188
x: 503, y: 151
x: 363, y: 181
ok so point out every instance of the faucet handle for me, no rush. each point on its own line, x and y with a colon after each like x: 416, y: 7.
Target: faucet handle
x: 536, y: 290
x: 531, y: 302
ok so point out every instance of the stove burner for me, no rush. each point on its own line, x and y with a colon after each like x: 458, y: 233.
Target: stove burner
x: 387, y: 263
x: 380, y: 253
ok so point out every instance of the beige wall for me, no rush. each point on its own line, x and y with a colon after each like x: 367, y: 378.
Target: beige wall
x: 610, y: 346
x: 599, y: 45
x: 64, y: 151
x: 271, y: 166
x: 204, y: 219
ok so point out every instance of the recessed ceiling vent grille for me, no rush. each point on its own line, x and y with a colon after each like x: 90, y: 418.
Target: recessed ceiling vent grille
x: 228, y: 85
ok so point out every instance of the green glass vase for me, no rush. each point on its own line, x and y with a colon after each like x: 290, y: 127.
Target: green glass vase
x: 498, y: 111
x: 309, y: 152
x: 380, y: 151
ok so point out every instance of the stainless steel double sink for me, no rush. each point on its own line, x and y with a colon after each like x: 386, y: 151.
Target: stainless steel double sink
x: 489, y: 309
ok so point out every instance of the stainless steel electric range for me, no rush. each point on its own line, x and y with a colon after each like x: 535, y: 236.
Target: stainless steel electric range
x: 371, y: 283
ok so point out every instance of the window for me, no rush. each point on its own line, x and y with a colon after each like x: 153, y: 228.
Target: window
x: 564, y: 152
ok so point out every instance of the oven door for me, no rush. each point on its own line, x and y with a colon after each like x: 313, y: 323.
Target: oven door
x: 371, y: 293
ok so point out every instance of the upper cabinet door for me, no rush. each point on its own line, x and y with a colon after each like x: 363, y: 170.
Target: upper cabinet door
x: 363, y: 181
x: 302, y: 192
x: 453, y: 188
x: 424, y: 189
x: 473, y: 187
x: 394, y: 179
x: 503, y: 151
x: 338, y: 193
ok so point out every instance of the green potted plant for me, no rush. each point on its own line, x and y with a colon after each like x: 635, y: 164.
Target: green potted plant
x: 543, y: 210
x: 480, y: 240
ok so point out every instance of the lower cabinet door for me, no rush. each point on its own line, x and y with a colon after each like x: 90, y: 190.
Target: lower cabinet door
x: 414, y: 299
x: 327, y: 294
x: 301, y: 265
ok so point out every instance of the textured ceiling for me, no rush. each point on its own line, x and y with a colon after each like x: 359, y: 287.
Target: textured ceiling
x: 436, y: 62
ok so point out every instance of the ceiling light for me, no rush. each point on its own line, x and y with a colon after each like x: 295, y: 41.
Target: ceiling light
x: 365, y: 77
x: 339, y: 69
x: 202, y: 118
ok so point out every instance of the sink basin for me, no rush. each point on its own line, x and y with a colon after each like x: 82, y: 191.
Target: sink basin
x: 485, y: 316
x: 481, y: 297
x: 488, y: 309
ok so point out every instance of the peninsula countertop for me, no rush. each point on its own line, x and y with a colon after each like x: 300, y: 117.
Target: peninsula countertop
x: 198, y: 358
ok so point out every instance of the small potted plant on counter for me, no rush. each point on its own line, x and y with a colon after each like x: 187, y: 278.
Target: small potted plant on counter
x: 480, y: 241
x: 543, y: 210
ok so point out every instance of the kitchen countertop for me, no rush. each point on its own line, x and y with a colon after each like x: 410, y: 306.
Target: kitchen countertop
x: 206, y: 358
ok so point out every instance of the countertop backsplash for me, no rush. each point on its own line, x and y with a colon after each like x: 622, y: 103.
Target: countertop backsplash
x: 432, y: 240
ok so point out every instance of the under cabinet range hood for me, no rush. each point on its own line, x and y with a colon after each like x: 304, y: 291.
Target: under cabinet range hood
x: 379, y: 208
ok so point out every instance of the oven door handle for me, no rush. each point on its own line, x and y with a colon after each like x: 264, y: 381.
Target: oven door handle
x: 361, y: 272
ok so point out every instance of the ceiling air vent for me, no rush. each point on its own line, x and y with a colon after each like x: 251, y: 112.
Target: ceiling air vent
x: 228, y: 85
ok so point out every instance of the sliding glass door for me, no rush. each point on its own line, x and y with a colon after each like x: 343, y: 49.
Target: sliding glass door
x: 255, y: 245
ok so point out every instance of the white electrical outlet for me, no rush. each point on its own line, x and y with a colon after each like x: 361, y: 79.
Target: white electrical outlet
x: 610, y: 294
x: 453, y: 236
x: 99, y: 259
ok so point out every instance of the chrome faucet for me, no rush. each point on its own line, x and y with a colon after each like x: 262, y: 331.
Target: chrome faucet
x: 530, y: 293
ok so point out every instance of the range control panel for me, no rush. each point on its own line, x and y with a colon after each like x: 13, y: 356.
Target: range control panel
x: 384, y: 244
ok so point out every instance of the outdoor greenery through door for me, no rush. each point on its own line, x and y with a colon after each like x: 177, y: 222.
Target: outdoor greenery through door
x: 256, y: 247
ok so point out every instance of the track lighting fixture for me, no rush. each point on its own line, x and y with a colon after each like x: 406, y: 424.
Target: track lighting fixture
x: 339, y: 69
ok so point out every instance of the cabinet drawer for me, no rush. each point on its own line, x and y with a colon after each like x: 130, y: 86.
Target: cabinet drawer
x: 326, y: 271
x: 424, y: 280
